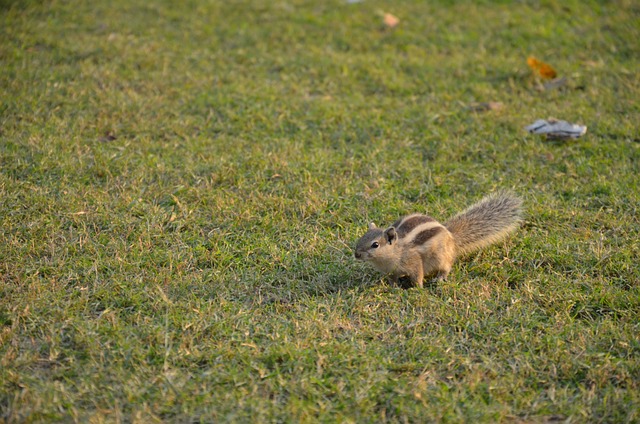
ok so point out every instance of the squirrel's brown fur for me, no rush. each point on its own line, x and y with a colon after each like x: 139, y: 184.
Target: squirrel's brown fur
x: 417, y: 245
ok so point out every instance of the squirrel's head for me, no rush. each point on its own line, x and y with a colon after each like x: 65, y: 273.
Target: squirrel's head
x: 375, y: 244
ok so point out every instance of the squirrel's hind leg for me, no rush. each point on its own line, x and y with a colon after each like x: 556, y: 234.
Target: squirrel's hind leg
x: 441, y: 276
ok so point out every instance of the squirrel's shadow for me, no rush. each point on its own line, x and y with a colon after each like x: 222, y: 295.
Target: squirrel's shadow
x: 406, y: 283
x: 324, y: 274
x: 342, y: 279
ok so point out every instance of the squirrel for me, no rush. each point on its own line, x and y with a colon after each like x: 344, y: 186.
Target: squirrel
x: 417, y: 245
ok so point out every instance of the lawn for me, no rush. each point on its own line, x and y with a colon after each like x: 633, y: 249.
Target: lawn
x: 182, y: 184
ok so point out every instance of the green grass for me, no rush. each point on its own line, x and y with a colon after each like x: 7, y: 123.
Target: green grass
x: 182, y: 184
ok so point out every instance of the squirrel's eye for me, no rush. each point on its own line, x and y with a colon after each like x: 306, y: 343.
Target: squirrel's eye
x: 375, y: 245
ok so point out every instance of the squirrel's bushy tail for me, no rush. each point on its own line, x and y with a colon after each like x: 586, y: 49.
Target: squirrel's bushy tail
x: 486, y: 222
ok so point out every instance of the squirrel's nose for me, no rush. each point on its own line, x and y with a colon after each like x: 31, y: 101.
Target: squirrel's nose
x: 358, y: 255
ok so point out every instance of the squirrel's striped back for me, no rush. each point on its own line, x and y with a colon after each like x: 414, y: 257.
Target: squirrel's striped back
x: 417, y: 229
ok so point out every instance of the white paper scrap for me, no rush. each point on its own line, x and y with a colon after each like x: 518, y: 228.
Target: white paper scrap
x: 554, y: 128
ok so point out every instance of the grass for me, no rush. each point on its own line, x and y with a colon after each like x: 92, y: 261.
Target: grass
x: 182, y: 184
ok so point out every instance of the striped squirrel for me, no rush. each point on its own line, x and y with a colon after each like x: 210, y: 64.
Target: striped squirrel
x: 417, y: 245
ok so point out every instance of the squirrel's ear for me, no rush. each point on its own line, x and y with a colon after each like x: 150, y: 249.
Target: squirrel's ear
x: 390, y: 234
x: 372, y: 226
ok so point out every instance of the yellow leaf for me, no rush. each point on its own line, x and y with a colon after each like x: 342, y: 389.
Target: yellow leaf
x: 542, y: 69
x: 390, y: 21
